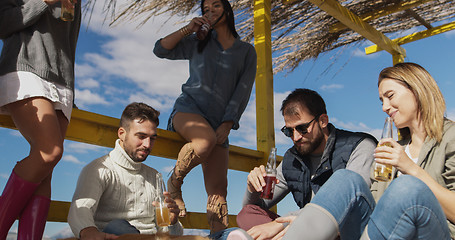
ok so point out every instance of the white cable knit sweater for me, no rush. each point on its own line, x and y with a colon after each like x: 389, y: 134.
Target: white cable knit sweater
x: 115, y: 187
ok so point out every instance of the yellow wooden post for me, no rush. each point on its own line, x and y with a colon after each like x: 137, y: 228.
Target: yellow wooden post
x: 397, y: 58
x: 264, y: 77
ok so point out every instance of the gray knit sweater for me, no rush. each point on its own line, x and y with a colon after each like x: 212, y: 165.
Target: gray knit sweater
x: 36, y: 40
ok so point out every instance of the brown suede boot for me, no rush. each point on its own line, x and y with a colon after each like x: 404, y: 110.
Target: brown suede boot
x: 217, y: 213
x: 187, y: 160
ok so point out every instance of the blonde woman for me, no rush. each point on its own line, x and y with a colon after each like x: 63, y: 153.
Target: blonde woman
x: 419, y: 202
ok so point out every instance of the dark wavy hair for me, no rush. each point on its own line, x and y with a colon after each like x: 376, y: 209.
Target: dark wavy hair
x: 139, y: 111
x: 229, y: 13
x: 303, y: 97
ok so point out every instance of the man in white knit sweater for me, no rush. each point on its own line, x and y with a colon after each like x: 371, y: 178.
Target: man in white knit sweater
x: 114, y: 193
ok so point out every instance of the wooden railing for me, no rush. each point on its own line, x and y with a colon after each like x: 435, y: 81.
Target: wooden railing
x: 101, y: 130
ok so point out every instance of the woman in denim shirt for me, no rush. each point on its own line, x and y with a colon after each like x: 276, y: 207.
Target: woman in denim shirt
x: 222, y: 72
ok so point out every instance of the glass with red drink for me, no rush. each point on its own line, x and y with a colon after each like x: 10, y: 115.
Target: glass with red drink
x: 267, y: 190
x: 270, y: 177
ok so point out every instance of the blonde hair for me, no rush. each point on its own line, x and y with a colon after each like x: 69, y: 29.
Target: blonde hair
x: 430, y: 102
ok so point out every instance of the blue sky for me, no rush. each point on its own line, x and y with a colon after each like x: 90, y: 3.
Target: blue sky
x: 116, y: 65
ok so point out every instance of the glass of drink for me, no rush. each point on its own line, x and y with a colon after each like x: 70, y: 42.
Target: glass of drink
x: 270, y: 177
x: 383, y: 172
x: 201, y: 34
x: 67, y: 14
x: 161, y: 210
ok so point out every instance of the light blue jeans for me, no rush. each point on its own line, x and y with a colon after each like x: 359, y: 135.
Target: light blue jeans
x: 223, y: 234
x: 119, y: 227
x: 407, y: 210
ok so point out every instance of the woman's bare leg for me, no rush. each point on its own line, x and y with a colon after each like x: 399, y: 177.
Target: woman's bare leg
x: 215, y: 179
x: 201, y: 140
x: 196, y: 130
x: 45, y: 188
x: 44, y: 129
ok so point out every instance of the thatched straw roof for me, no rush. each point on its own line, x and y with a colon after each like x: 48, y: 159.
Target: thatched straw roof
x: 300, y: 31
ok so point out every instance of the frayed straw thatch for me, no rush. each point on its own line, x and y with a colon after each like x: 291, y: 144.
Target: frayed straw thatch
x: 300, y: 31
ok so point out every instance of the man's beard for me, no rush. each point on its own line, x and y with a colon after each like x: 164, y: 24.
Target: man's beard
x: 133, y: 155
x: 309, y: 148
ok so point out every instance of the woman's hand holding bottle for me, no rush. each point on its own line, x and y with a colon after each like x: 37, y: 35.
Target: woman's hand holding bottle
x: 392, y: 153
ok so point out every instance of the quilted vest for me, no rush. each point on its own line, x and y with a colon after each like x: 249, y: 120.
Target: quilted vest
x: 336, y: 154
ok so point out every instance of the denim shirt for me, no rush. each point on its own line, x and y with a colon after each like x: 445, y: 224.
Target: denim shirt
x: 220, y: 81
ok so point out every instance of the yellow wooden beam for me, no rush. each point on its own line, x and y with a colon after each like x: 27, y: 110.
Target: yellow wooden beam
x: 415, y: 36
x: 195, y: 220
x: 348, y: 18
x: 58, y: 212
x: 264, y: 77
x: 398, y: 7
x: 101, y: 130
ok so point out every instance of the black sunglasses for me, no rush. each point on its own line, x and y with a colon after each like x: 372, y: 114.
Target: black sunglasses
x: 302, y: 128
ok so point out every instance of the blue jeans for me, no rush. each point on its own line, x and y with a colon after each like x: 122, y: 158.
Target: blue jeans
x: 408, y: 209
x: 119, y: 227
x: 222, y: 235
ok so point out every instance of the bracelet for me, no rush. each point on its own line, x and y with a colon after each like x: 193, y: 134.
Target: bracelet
x: 185, y: 31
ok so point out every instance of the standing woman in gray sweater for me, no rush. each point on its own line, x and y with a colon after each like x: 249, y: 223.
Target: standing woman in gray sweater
x: 37, y: 90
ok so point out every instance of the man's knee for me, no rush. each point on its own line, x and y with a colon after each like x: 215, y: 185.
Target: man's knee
x: 252, y: 215
x: 119, y: 227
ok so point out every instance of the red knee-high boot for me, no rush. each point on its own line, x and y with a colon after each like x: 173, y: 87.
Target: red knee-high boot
x: 14, y: 198
x: 33, y: 218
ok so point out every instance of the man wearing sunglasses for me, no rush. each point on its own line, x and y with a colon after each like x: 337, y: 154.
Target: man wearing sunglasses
x: 319, y: 150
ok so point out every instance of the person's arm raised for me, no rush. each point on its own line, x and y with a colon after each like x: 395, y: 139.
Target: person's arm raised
x: 171, y: 40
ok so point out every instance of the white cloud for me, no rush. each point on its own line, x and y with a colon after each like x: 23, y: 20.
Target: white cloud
x: 88, y: 83
x: 157, y: 102
x: 246, y: 135
x: 356, y: 127
x: 127, y: 54
x: 167, y: 169
x: 450, y: 34
x: 15, y: 133
x: 84, y: 70
x: 331, y: 87
x: 79, y: 147
x: 4, y: 175
x: 86, y: 97
x: 360, y: 52
x: 63, y: 234
x: 451, y: 114
x: 71, y: 159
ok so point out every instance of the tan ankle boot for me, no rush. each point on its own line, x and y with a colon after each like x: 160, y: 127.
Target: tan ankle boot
x: 217, y: 213
x: 187, y: 160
